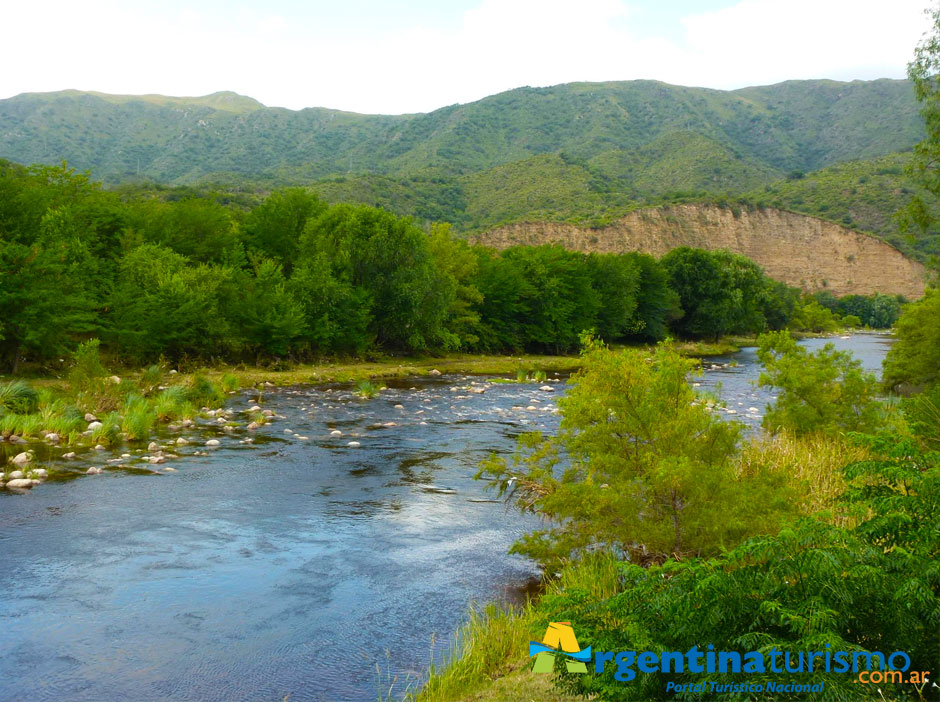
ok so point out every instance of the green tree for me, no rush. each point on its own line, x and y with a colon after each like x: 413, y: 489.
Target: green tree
x: 823, y: 391
x: 640, y: 466
x: 273, y: 228
x: 914, y: 359
x: 458, y: 266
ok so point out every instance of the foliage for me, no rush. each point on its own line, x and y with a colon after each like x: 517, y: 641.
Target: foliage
x: 914, y: 359
x: 824, y: 391
x: 640, y: 467
x: 138, y: 418
x: 203, y: 392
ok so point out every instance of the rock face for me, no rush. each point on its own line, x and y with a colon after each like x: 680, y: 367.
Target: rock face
x: 799, y: 250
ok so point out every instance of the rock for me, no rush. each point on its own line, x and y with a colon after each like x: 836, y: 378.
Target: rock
x: 288, y: 431
x: 156, y: 460
x: 353, y: 444
x: 753, y: 409
x: 390, y: 424
x: 153, y: 446
x: 173, y: 372
x: 68, y: 456
x: 187, y: 422
x: 94, y: 471
x: 19, y: 440
x: 172, y: 427
x: 268, y: 413
x: 114, y: 379
x: 434, y: 371
x: 478, y: 391
x: 181, y: 441
x: 21, y: 459
x: 253, y: 426
x: 336, y: 432
x: 302, y: 438
x: 213, y: 442
x: 169, y: 470
x: 547, y: 388
x: 125, y: 455
x: 99, y: 447
x: 20, y: 483
x: 254, y: 408
x: 89, y: 417
x: 40, y: 473
x: 16, y: 475
x: 94, y: 426
x: 399, y: 407
x: 532, y: 408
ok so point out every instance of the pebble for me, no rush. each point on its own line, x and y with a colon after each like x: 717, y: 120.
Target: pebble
x: 69, y: 455
x: 21, y: 483
x: 21, y: 459
x: 213, y: 442
x: 353, y: 444
x: 336, y: 432
x: 94, y: 471
x: 99, y: 447
x: 181, y: 441
x: 547, y: 388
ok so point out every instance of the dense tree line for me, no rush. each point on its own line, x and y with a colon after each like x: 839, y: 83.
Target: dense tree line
x: 295, y: 277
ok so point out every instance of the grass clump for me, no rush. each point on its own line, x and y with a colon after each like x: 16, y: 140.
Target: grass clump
x: 138, y: 418
x: 18, y: 397
x: 173, y: 403
x: 204, y: 393
x: 230, y: 383
x: 368, y: 389
x: 110, y: 430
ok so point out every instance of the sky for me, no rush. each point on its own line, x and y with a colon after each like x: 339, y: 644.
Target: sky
x: 376, y: 56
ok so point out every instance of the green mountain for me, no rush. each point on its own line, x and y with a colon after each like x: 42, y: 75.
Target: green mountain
x: 798, y: 125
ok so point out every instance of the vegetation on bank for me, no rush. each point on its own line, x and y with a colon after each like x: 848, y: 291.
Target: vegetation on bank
x: 294, y: 279
x: 823, y: 530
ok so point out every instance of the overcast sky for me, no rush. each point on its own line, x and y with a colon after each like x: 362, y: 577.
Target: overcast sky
x: 385, y: 57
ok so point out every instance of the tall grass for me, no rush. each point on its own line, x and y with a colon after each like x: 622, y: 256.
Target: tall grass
x: 812, y: 463
x: 173, y: 403
x: 138, y: 418
x: 110, y: 430
x: 494, y: 640
x: 204, y: 393
x: 230, y: 382
x: 368, y: 389
x: 18, y: 397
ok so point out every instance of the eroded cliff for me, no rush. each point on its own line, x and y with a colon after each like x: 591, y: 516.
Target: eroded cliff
x: 803, y: 251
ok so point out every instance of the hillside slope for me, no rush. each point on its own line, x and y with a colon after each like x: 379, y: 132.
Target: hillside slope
x: 801, y: 125
x: 797, y: 249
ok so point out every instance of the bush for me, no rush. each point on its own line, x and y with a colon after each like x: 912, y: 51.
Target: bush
x: 825, y: 391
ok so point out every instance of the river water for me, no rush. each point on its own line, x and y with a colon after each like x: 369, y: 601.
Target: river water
x: 299, y: 569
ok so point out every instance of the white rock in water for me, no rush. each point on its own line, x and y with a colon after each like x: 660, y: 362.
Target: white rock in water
x: 93, y: 471
x: 70, y: 454
x: 478, y: 391
x: 20, y: 483
x: 532, y: 408
x: 254, y: 408
x: 336, y: 432
x: 390, y: 424
x: 187, y: 422
x: 547, y: 388
x: 181, y: 441
x: 354, y: 444
x: 89, y: 417
x: 153, y: 446
x: 288, y: 431
x: 155, y: 460
x: 399, y: 407
x: 268, y: 413
x: 213, y: 442
x: 93, y: 426
x: 434, y: 371
x: 41, y: 473
x: 16, y: 474
x: 99, y: 447
x: 21, y: 459
x: 753, y: 409
x: 253, y: 426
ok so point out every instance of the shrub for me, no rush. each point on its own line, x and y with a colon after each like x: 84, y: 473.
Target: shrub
x: 825, y: 391
x: 204, y: 393
x: 230, y: 382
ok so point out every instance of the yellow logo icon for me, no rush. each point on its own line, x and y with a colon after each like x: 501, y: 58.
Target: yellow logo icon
x: 559, y: 635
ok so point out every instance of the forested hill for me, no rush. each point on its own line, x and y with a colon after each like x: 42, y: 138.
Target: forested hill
x: 624, y: 134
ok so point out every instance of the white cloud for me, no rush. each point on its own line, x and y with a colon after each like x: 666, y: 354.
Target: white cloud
x: 283, y: 58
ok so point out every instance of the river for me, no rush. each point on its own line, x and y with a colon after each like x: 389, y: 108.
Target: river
x: 300, y: 569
